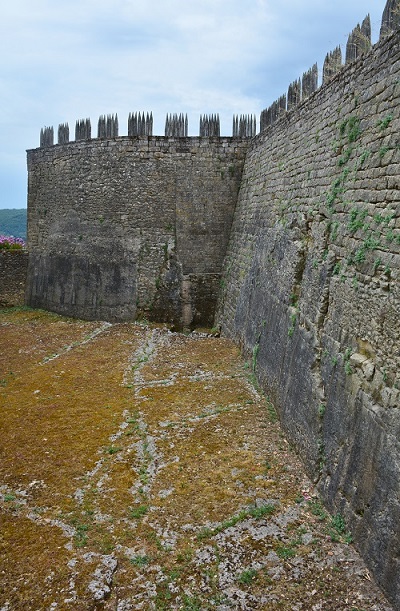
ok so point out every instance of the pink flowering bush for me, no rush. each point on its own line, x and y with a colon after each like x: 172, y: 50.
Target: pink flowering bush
x: 11, y: 243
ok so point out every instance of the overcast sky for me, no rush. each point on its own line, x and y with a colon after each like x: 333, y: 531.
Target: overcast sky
x: 63, y: 60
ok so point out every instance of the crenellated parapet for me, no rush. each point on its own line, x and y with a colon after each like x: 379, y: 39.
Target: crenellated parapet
x: 209, y: 126
x: 332, y: 64
x: 390, y: 18
x: 309, y: 82
x: 63, y: 133
x: 358, y: 44
x: 294, y: 94
x: 244, y: 126
x: 359, y: 40
x: 140, y: 125
x: 176, y: 126
x: 83, y: 130
x: 270, y: 115
x: 46, y: 137
x: 107, y: 127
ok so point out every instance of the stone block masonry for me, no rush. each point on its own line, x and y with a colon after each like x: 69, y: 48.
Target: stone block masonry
x: 132, y: 226
x: 13, y: 270
x: 311, y: 292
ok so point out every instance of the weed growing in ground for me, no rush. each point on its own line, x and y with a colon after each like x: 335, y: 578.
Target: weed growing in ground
x: 317, y: 510
x: 273, y: 414
x: 140, y: 561
x: 8, y: 498
x: 113, y: 450
x: 138, y: 512
x: 285, y: 551
x: 81, y: 538
x: 191, y: 603
x: 247, y: 577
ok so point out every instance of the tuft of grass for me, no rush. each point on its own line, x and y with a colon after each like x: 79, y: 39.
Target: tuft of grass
x: 261, y: 512
x: 191, y: 603
x: 285, y: 551
x: 273, y: 414
x: 81, y: 538
x: 337, y: 529
x: 382, y: 151
x: 247, y: 577
x: 9, y: 497
x: 317, y: 510
x: 384, y: 123
x: 113, y: 450
x: 140, y: 561
x: 138, y: 512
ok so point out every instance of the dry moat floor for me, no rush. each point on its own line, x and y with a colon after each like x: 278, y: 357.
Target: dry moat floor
x: 140, y: 469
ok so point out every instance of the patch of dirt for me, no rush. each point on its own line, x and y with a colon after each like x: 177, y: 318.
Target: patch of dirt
x: 140, y: 469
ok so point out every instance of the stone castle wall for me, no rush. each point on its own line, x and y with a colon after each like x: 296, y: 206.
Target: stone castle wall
x: 13, y: 270
x: 130, y: 226
x: 311, y: 292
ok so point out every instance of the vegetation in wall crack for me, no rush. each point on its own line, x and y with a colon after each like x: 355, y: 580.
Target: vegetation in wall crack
x: 384, y: 123
x: 293, y: 318
x: 383, y: 150
x: 346, y: 361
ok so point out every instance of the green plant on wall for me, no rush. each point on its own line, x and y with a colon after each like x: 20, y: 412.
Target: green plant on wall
x: 349, y: 131
x: 293, y: 318
x: 384, y: 123
x: 346, y: 361
x: 358, y: 221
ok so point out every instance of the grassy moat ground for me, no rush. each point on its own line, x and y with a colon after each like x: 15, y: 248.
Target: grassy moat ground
x: 140, y: 469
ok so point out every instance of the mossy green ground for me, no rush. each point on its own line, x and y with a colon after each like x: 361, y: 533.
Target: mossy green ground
x: 140, y: 469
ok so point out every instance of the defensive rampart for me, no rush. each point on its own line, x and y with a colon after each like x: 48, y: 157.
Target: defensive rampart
x: 131, y: 226
x: 312, y: 292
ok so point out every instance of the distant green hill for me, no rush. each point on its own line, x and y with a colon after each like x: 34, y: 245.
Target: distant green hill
x: 13, y: 222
